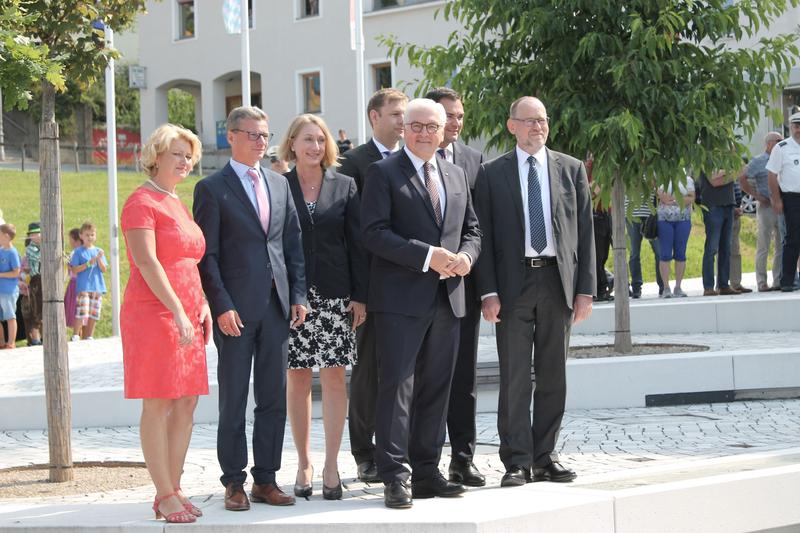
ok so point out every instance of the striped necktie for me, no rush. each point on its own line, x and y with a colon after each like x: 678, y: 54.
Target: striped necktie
x: 535, y: 211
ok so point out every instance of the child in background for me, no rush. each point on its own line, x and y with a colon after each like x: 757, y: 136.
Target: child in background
x: 9, y: 272
x: 71, y: 294
x: 32, y: 303
x: 89, y: 263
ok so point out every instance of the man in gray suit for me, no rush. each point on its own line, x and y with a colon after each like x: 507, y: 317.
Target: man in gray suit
x: 253, y: 274
x: 536, y: 277
x: 463, y: 392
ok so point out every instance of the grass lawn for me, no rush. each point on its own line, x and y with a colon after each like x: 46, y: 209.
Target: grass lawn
x: 694, y: 250
x: 85, y: 197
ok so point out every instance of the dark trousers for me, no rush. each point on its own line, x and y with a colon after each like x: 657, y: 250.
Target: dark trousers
x: 262, y: 345
x: 791, y: 244
x: 416, y: 358
x: 602, y: 242
x: 718, y: 221
x: 634, y: 261
x: 537, y: 324
x: 363, y: 393
x: 463, y: 391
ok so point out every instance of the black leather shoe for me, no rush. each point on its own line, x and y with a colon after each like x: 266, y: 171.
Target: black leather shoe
x: 368, y: 472
x: 436, y: 486
x: 554, y: 472
x: 396, y: 495
x: 466, y: 474
x: 515, y: 476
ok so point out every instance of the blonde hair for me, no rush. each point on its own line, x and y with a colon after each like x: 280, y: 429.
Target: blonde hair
x: 88, y: 226
x: 285, y: 151
x: 159, y: 142
x: 9, y: 229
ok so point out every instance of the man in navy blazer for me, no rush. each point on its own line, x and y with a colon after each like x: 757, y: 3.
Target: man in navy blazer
x: 419, y: 224
x: 253, y: 274
x: 463, y: 391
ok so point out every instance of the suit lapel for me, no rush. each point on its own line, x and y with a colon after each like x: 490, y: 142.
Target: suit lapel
x: 512, y: 179
x: 410, y: 173
x: 326, y: 193
x: 372, y: 153
x: 235, y: 184
x: 297, y: 193
x: 451, y: 185
x: 554, y: 174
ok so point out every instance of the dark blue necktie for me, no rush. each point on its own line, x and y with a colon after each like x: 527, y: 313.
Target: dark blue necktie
x: 386, y: 153
x: 442, y: 153
x: 535, y: 211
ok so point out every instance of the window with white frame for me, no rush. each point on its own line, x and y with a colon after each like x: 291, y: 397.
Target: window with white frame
x: 309, y: 8
x: 381, y: 76
x: 386, y: 4
x: 311, y: 92
x: 185, y: 19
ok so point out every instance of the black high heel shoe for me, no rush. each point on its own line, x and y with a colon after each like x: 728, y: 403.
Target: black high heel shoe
x: 332, y: 493
x: 304, y: 491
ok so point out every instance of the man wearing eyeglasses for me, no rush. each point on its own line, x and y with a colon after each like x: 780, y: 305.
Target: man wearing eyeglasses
x: 253, y: 274
x: 463, y: 391
x: 419, y: 224
x: 536, y: 278
x: 385, y: 112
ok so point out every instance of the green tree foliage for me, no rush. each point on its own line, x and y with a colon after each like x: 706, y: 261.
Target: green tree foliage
x: 23, y: 60
x: 649, y: 86
x: 180, y: 109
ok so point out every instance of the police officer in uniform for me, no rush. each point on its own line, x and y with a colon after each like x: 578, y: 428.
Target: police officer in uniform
x: 784, y: 188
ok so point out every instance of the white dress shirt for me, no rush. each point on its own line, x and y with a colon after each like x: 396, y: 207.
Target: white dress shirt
x: 382, y: 148
x: 540, y: 160
x: 241, y: 171
x: 418, y: 163
x: 448, y: 153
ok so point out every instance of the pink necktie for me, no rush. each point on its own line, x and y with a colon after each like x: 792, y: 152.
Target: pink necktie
x: 261, y: 199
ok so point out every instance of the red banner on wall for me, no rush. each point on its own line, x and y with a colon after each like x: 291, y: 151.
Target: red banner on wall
x: 128, y: 144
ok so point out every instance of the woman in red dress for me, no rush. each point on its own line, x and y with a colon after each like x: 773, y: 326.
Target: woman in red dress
x: 165, y: 320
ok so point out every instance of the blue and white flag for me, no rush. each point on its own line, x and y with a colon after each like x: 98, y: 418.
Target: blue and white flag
x: 232, y: 16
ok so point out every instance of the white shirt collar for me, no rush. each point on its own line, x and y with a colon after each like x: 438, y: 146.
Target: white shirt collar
x: 382, y: 148
x: 540, y: 156
x: 418, y: 162
x: 241, y: 169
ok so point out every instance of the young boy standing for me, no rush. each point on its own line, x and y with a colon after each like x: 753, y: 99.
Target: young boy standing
x: 9, y: 272
x: 89, y: 263
x: 32, y: 303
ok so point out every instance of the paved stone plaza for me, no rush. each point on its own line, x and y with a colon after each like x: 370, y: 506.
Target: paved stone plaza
x: 612, y: 450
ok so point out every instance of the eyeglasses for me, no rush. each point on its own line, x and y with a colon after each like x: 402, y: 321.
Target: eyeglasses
x: 530, y: 122
x: 417, y: 127
x: 255, y: 135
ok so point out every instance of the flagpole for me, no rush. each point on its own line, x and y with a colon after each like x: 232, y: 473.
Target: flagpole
x: 245, y: 54
x: 111, y: 162
x: 361, y: 97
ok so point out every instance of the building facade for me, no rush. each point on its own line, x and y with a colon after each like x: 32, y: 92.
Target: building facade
x: 300, y: 58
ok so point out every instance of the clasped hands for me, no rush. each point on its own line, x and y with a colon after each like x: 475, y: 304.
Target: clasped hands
x: 448, y: 264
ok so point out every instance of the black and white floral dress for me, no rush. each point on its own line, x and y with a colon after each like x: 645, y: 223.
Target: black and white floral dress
x: 325, y: 339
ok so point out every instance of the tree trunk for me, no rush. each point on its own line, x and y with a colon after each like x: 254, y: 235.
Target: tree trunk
x: 622, y: 306
x: 54, y: 335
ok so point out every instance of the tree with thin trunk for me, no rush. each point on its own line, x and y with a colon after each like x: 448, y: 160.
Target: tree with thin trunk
x: 653, y: 88
x: 68, y: 40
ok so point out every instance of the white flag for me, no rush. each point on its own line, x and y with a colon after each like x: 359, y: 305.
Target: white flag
x: 232, y: 16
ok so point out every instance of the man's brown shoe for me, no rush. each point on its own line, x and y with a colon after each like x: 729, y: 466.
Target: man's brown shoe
x: 710, y: 292
x: 236, y: 498
x: 742, y: 289
x: 763, y: 287
x: 729, y: 291
x: 270, y: 493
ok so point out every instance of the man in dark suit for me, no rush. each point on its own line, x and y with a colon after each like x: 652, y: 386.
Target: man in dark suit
x: 463, y: 392
x: 536, y: 277
x: 385, y: 111
x: 253, y: 274
x: 419, y: 224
